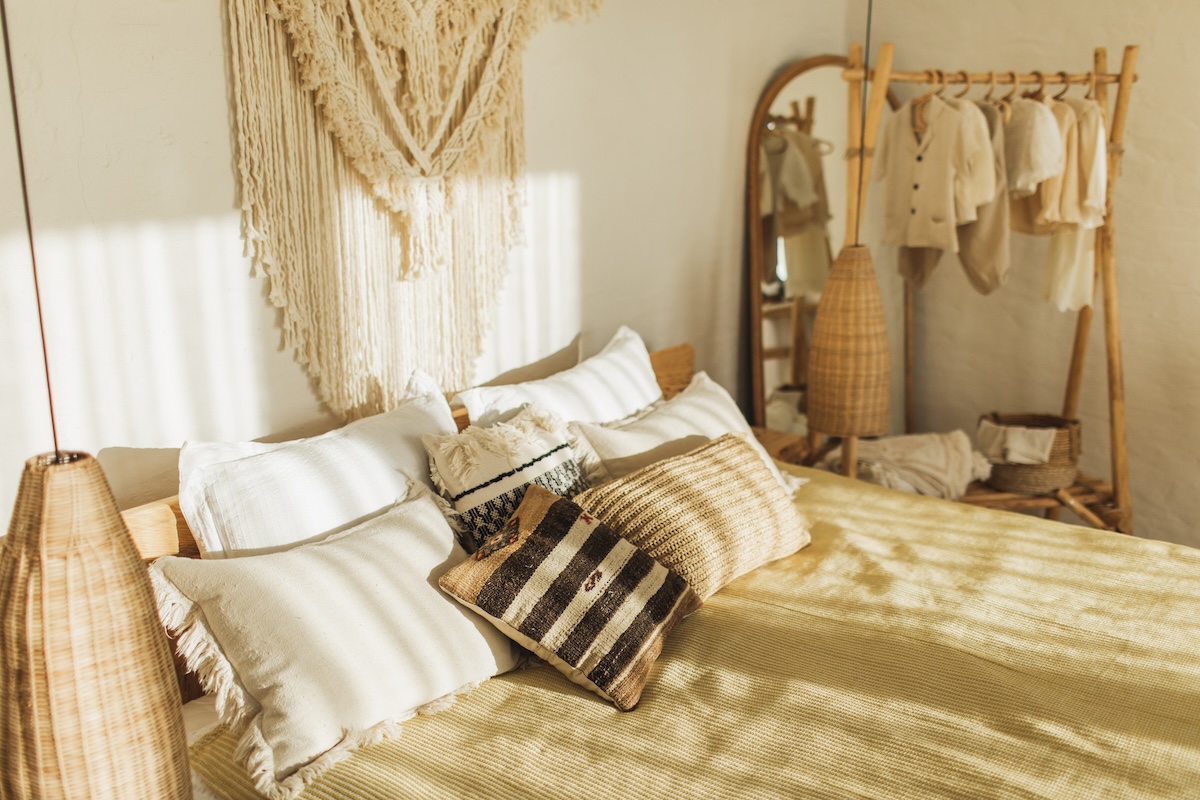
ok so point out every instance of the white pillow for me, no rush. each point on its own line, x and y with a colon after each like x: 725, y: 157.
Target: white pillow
x: 701, y: 412
x: 329, y: 646
x: 484, y: 472
x: 248, y: 497
x: 611, y: 385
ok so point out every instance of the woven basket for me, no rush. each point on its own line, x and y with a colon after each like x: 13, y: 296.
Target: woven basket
x: 1057, y: 473
x: 849, y: 368
x: 89, y: 706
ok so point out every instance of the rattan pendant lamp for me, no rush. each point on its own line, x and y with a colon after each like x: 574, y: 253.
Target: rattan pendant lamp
x: 849, y: 368
x: 89, y: 706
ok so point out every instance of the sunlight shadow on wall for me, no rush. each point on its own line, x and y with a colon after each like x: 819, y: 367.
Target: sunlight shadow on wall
x: 540, y: 307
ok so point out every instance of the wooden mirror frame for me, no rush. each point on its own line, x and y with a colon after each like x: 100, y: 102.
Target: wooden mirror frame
x: 754, y: 260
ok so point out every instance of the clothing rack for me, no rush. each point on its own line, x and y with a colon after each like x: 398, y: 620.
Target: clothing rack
x: 802, y: 120
x: 1102, y: 505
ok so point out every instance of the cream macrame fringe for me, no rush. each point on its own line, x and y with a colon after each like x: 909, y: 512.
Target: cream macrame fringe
x: 381, y: 160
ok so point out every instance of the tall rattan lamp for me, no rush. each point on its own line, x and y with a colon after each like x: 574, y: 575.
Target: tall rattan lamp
x: 849, y: 367
x: 89, y: 706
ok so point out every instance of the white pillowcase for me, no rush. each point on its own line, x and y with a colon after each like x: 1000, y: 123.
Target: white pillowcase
x: 544, y: 367
x: 329, y: 646
x: 613, y: 384
x: 248, y: 497
x: 701, y: 412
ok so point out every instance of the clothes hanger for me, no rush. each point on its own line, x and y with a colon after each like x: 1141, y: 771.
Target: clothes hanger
x: 1040, y: 92
x: 1066, y: 79
x: 918, y: 105
x: 991, y: 86
x: 1005, y: 103
x: 966, y: 77
x: 1091, y: 92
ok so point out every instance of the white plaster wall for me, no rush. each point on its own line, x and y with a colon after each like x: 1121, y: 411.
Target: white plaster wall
x: 1010, y: 351
x: 636, y: 136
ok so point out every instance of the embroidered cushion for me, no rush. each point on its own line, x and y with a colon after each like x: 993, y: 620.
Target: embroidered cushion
x: 567, y: 587
x: 484, y: 472
x: 711, y: 515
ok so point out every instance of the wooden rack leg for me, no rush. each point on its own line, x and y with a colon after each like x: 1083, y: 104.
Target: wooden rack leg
x: 1081, y: 511
x: 850, y: 456
x: 910, y: 360
x: 799, y: 341
x: 1122, y: 498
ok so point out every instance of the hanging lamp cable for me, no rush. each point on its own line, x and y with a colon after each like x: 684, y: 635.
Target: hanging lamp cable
x: 863, y: 126
x: 12, y: 94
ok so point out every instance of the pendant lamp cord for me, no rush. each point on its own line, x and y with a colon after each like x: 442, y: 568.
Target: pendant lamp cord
x: 12, y: 94
x: 862, y: 130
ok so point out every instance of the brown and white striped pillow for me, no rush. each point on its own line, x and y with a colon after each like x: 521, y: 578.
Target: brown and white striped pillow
x: 564, y: 585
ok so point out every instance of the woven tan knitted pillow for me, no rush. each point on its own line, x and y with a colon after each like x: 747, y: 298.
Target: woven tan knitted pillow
x: 563, y: 584
x: 711, y: 515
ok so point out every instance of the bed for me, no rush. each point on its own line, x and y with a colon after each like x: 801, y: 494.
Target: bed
x: 916, y: 648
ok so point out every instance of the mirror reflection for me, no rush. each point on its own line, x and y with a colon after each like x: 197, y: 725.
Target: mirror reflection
x: 802, y: 185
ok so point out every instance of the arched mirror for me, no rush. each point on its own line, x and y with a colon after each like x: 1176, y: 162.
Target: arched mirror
x: 796, y: 212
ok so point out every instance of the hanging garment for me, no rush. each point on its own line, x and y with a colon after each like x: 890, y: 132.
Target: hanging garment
x: 1033, y: 146
x: 933, y: 464
x: 1056, y: 200
x: 972, y: 188
x: 1070, y: 278
x: 805, y: 231
x: 977, y: 186
x: 983, y: 245
x: 920, y: 207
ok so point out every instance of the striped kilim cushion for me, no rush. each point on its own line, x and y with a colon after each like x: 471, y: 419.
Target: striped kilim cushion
x: 484, y: 471
x: 564, y: 585
x: 711, y: 515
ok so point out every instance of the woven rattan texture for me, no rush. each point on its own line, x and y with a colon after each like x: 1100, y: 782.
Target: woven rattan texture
x: 89, y: 706
x: 710, y: 515
x: 1057, y: 473
x: 849, y: 368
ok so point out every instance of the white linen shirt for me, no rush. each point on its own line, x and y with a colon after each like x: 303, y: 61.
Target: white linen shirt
x: 920, y: 191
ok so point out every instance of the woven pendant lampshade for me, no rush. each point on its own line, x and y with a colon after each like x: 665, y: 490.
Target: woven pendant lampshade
x: 849, y: 367
x: 89, y: 705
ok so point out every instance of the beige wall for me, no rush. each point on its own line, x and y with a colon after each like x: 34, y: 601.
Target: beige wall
x: 1010, y: 351
x: 636, y: 134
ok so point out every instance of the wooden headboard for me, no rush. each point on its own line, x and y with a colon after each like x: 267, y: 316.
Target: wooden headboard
x: 159, y: 529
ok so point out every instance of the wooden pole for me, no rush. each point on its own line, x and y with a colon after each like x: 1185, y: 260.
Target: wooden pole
x: 1122, y: 498
x: 910, y: 359
x: 799, y: 342
x: 853, y: 73
x: 1083, y: 322
x: 850, y: 456
x: 854, y: 95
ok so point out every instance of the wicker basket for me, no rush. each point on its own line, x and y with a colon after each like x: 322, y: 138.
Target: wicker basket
x: 1058, y: 473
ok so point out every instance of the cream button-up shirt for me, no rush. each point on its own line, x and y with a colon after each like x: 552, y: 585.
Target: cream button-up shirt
x: 920, y: 172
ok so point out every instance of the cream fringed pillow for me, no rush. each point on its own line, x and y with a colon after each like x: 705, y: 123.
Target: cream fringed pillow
x: 563, y: 584
x: 711, y: 515
x: 329, y: 646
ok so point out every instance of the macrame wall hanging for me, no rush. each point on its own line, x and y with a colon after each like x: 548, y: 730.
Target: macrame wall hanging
x: 381, y: 159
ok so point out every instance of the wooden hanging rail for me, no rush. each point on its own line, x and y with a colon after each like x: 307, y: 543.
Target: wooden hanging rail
x: 984, y: 78
x: 1103, y: 505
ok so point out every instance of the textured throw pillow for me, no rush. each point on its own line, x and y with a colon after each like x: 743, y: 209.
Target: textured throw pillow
x: 564, y: 585
x: 613, y: 384
x: 484, y: 472
x: 552, y: 364
x: 328, y: 646
x: 248, y: 497
x: 701, y: 412
x: 711, y: 515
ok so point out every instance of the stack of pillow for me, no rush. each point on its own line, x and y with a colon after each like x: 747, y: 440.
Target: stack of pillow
x: 581, y: 516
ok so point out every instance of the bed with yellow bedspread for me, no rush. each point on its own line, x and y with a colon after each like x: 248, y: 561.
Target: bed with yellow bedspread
x: 917, y: 649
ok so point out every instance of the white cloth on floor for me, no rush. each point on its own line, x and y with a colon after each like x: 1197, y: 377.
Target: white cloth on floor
x: 1015, y: 444
x: 934, y: 464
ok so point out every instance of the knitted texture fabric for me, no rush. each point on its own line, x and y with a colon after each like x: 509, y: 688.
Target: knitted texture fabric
x: 381, y: 163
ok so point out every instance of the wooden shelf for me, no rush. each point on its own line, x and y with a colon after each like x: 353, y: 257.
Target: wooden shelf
x: 1091, y: 499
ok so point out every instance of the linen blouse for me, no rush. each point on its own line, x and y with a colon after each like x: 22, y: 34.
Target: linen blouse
x: 920, y: 208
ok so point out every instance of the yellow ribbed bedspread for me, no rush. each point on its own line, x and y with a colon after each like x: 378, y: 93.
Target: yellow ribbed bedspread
x: 916, y: 649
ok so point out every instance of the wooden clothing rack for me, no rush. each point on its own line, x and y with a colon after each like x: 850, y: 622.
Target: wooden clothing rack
x: 1103, y: 505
